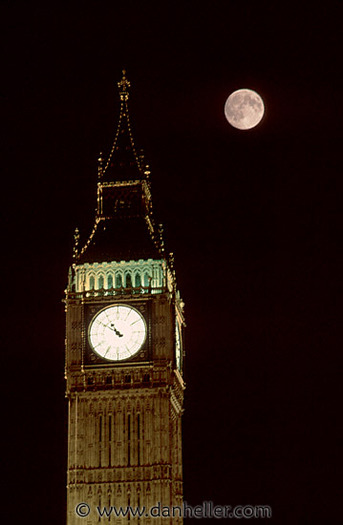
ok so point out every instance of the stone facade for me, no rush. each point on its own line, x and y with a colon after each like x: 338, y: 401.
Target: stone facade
x: 124, y: 426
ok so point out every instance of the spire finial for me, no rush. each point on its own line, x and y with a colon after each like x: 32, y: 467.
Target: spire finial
x: 147, y: 171
x: 123, y: 87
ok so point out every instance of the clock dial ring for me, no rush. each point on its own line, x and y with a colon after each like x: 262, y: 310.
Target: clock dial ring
x: 117, y: 332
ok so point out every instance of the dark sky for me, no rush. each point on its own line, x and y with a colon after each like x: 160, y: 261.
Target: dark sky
x: 254, y: 220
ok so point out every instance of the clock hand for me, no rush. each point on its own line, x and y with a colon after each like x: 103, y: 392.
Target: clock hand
x: 116, y: 331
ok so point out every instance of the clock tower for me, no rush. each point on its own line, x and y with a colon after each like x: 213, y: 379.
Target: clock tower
x: 124, y: 352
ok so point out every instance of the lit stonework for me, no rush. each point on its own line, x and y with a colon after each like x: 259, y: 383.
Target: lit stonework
x: 124, y: 426
x: 143, y: 275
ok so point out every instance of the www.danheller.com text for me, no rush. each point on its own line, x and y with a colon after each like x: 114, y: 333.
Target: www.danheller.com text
x: 206, y: 510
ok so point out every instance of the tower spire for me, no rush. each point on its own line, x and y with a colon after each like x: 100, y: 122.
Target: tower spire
x: 123, y: 86
x: 123, y: 162
x: 124, y: 208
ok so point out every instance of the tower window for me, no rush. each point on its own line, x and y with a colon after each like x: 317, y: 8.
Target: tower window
x: 91, y: 283
x: 128, y: 439
x: 110, y: 281
x: 128, y: 281
x: 147, y: 280
x: 109, y: 439
x: 101, y: 282
x: 137, y: 283
x: 118, y: 281
x: 138, y: 439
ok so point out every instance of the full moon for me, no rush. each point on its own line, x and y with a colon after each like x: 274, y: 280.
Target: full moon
x: 244, y: 109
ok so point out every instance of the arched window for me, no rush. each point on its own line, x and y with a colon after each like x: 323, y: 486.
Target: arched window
x: 137, y: 280
x: 118, y: 281
x: 128, y: 281
x: 110, y: 281
x: 91, y: 283
x: 101, y: 282
x: 146, y: 279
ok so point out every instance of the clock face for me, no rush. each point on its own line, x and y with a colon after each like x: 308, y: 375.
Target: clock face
x: 117, y: 332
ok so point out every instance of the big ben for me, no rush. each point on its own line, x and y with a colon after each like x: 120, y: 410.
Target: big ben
x: 124, y: 350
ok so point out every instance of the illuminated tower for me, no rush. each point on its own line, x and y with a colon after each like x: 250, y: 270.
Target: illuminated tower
x: 124, y: 348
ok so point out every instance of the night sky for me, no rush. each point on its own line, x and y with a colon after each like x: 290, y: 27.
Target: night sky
x: 254, y: 219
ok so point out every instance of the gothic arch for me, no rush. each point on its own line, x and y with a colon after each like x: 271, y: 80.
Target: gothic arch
x: 118, y: 279
x: 91, y: 281
x: 109, y: 280
x: 128, y: 279
x: 101, y: 281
